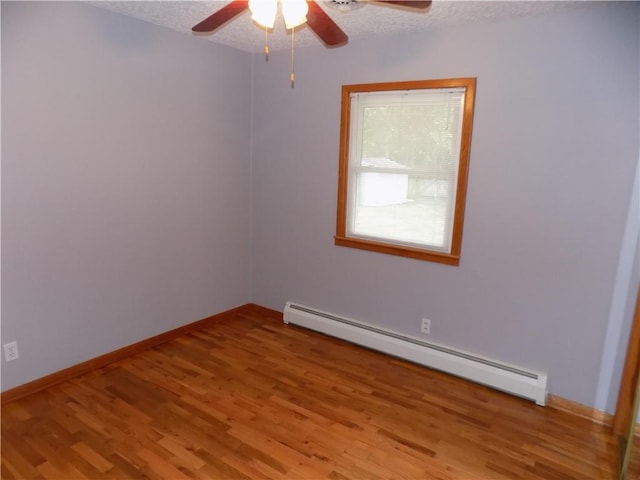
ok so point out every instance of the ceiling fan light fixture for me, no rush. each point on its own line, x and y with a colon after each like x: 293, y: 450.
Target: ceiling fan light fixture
x: 263, y: 12
x: 294, y: 12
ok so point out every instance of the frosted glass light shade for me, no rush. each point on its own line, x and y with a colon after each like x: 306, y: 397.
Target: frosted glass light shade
x: 263, y: 12
x: 294, y: 12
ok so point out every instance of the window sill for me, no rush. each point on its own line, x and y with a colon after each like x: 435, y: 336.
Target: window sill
x: 399, y: 250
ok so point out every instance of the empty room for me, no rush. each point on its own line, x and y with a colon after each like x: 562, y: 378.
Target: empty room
x: 357, y: 240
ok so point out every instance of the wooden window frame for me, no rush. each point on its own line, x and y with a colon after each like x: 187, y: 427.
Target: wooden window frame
x: 341, y: 238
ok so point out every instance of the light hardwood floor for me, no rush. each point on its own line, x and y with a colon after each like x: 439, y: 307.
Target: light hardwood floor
x: 252, y: 398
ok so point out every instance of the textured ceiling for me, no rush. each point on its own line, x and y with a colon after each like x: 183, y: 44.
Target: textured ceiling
x: 371, y: 19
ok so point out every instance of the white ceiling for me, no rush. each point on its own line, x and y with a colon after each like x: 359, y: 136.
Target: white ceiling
x: 371, y: 19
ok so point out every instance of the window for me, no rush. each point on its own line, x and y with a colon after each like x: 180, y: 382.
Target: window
x: 404, y: 154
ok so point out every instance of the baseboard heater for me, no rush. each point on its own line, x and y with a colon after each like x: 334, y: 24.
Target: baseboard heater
x: 523, y: 383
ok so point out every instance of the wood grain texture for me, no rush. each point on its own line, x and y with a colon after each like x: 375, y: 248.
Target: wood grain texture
x: 108, y: 358
x: 253, y: 398
x: 579, y: 410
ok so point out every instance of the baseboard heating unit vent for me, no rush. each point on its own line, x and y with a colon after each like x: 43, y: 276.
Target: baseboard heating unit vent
x: 502, y: 377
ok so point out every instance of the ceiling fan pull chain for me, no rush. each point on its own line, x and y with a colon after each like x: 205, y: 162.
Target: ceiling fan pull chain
x: 293, y: 57
x: 266, y: 44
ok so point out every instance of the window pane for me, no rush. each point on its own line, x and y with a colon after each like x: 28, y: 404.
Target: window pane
x: 414, y: 136
x: 407, y: 208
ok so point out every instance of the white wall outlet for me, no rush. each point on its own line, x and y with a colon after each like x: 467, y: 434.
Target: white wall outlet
x: 425, y: 327
x: 11, y: 351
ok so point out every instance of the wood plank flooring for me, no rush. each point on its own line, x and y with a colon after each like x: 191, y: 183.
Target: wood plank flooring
x: 252, y: 398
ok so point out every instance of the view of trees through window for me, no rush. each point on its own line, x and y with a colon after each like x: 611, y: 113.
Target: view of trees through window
x: 416, y: 136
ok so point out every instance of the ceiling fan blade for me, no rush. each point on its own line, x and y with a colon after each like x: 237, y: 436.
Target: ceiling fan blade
x: 222, y: 16
x: 417, y: 4
x: 322, y: 24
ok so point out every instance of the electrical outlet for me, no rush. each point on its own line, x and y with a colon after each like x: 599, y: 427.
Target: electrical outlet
x: 11, y: 351
x: 425, y: 327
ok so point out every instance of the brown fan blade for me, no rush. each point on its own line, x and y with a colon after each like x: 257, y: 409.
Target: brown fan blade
x: 418, y: 4
x: 322, y: 24
x: 222, y: 16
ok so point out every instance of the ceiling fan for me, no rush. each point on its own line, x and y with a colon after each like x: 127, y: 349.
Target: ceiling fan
x: 321, y: 23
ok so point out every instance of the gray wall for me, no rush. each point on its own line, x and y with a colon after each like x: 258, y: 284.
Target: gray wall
x: 125, y: 191
x: 622, y: 306
x: 554, y: 150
